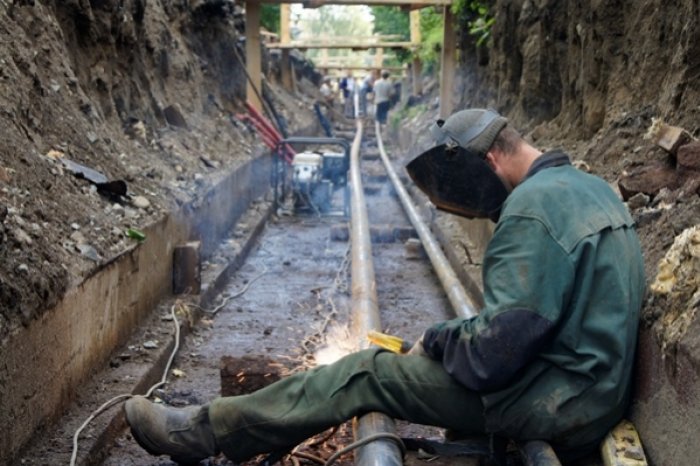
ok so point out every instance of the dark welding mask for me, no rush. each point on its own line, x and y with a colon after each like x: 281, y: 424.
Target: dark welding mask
x: 454, y: 174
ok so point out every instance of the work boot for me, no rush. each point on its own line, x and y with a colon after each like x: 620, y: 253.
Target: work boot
x: 183, y: 433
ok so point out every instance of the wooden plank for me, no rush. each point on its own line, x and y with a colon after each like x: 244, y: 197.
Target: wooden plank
x: 414, y: 18
x: 285, y: 38
x: 360, y: 67
x: 187, y: 276
x: 252, y: 53
x: 269, y: 36
x: 416, y: 69
x: 379, y: 57
x: 448, y: 64
x: 286, y: 71
x: 341, y: 45
x: 285, y: 20
x: 411, y: 4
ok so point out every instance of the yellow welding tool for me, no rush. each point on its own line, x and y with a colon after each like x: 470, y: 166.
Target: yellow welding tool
x: 390, y: 342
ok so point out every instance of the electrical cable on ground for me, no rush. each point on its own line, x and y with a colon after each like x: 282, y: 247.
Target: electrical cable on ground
x: 123, y: 397
x: 308, y: 456
x: 126, y: 396
x: 235, y: 295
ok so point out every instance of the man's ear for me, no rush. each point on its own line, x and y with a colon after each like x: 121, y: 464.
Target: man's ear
x: 490, y: 159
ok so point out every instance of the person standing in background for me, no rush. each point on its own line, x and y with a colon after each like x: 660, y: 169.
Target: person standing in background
x: 327, y: 92
x: 383, y: 89
x: 347, y: 85
x: 365, y: 88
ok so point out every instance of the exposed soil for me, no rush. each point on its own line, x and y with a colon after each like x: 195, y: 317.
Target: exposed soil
x: 145, y: 93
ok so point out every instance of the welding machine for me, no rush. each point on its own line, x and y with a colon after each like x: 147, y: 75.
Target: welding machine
x: 312, y: 181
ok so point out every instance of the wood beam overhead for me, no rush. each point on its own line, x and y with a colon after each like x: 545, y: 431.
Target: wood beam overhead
x: 342, y: 45
x: 411, y: 4
x: 360, y: 67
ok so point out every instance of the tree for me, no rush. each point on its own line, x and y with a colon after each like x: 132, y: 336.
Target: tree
x: 392, y: 21
x: 332, y: 21
x: 270, y: 17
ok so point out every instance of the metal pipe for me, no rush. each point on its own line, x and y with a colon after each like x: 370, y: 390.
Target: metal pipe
x: 365, y: 315
x: 462, y: 304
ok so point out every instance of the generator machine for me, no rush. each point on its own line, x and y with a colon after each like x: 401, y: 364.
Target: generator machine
x: 314, y: 180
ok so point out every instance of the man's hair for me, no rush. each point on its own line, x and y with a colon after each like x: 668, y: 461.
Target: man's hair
x: 385, y: 74
x: 508, y: 140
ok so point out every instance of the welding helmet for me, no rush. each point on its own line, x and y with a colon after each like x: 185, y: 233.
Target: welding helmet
x: 454, y: 174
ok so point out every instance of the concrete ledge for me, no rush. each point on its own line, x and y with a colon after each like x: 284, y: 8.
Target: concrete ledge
x: 43, y: 365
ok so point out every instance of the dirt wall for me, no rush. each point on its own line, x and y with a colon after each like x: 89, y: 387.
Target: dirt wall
x: 590, y: 76
x: 148, y: 95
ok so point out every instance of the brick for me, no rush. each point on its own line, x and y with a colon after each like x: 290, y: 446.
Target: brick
x: 669, y: 138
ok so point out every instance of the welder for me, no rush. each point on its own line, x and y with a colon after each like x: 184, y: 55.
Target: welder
x: 549, y: 356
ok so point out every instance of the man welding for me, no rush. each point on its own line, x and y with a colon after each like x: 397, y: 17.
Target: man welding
x: 549, y: 357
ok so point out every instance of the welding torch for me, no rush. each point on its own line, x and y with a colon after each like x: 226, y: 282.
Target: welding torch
x: 389, y: 342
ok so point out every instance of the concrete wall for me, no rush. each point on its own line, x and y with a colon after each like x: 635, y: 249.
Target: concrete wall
x: 42, y: 365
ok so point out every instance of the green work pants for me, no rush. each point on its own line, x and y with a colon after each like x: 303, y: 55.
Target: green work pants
x: 282, y: 415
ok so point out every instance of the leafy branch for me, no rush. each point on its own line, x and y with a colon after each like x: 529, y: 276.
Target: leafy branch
x: 476, y: 14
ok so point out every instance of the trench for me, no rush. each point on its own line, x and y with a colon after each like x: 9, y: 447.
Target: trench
x: 275, y: 289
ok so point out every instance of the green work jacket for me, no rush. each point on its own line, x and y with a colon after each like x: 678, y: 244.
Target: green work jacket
x: 551, y: 353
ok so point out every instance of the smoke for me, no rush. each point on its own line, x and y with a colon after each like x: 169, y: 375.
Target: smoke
x: 338, y: 343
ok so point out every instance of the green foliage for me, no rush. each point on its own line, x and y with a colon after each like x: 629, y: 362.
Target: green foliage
x: 476, y: 15
x: 270, y: 17
x: 332, y: 21
x: 392, y: 21
x: 431, y: 30
x: 481, y: 29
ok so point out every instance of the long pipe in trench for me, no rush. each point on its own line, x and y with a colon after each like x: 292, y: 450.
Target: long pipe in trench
x: 461, y: 303
x: 365, y: 315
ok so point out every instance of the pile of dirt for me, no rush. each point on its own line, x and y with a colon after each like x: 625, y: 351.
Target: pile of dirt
x: 102, y: 97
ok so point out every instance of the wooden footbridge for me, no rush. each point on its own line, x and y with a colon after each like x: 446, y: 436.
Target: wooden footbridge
x: 285, y: 44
